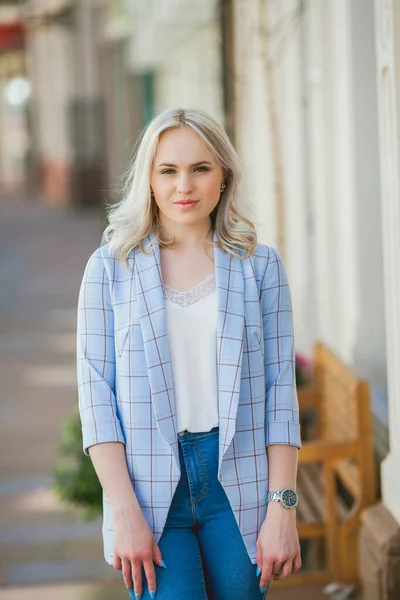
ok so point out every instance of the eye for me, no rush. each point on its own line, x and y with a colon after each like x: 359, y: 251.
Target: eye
x: 202, y: 169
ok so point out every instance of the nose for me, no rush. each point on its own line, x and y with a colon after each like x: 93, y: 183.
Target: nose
x: 184, y: 184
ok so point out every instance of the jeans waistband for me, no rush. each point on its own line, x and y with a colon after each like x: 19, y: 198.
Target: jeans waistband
x: 190, y: 435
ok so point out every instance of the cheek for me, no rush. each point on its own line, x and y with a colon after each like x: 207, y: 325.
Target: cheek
x: 211, y: 186
x: 163, y: 190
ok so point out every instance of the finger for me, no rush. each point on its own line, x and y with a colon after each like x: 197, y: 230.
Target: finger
x: 258, y: 559
x: 287, y: 569
x: 117, y: 564
x: 136, y: 567
x: 277, y: 568
x: 297, y: 563
x: 266, y: 572
x: 127, y: 573
x: 150, y: 574
x: 157, y: 556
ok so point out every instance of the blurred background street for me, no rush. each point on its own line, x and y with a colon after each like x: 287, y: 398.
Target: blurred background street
x: 44, y: 252
x: 309, y: 93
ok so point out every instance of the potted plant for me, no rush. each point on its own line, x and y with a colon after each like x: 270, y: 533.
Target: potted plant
x: 74, y: 479
x: 304, y: 366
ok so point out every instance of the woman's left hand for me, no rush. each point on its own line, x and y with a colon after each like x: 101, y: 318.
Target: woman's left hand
x: 278, y: 547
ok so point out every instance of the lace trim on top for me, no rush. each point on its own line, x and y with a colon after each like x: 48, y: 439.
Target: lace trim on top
x: 188, y: 297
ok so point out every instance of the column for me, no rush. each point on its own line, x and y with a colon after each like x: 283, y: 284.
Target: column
x: 388, y: 133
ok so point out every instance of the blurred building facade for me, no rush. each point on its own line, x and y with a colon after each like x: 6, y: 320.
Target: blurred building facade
x: 14, y: 138
x: 67, y: 101
x: 316, y: 102
x: 309, y: 91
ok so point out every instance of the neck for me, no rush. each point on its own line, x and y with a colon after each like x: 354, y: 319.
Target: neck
x: 188, y: 236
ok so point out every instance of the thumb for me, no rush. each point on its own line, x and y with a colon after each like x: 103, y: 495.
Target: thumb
x: 157, y: 557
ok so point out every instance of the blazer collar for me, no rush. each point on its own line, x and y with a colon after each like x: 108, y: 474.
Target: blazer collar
x: 230, y: 328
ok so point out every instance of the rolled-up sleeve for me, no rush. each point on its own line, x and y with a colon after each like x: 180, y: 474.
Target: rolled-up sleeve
x: 282, y: 407
x: 96, y: 357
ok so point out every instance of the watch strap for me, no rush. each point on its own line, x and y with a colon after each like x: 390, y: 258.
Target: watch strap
x: 274, y: 496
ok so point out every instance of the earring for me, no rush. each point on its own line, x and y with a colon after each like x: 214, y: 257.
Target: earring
x: 223, y: 186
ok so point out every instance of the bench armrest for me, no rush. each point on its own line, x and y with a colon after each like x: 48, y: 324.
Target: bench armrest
x: 308, y: 397
x: 321, y: 451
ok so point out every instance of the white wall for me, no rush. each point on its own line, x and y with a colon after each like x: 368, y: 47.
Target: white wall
x: 324, y: 238
x: 190, y: 77
x: 252, y: 124
x: 260, y: 145
x: 334, y: 198
x: 179, y: 41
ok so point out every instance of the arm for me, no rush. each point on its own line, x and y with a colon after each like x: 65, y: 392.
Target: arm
x: 109, y: 463
x: 101, y: 428
x: 282, y: 462
x: 282, y: 407
x: 278, y: 550
x: 134, y: 542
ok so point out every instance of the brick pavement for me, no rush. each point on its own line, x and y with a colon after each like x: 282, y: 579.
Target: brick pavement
x: 44, y: 251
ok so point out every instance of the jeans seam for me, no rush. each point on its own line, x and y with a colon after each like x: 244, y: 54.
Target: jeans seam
x: 204, y: 476
x: 202, y: 574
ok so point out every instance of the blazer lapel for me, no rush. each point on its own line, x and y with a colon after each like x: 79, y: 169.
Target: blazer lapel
x: 152, y: 316
x: 230, y: 330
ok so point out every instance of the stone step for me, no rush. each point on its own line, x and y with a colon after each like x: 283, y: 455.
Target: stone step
x: 57, y: 572
x: 39, y: 535
x: 52, y: 552
x: 102, y: 590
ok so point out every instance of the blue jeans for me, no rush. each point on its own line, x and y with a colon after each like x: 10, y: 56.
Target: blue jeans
x: 201, y: 543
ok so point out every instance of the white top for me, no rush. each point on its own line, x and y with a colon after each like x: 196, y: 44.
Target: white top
x: 192, y: 335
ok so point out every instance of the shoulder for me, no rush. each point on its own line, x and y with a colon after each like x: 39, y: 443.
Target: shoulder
x: 101, y: 261
x: 263, y: 256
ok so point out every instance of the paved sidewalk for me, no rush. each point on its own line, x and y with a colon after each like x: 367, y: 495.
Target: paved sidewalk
x: 44, y: 547
x: 44, y: 251
x: 116, y: 592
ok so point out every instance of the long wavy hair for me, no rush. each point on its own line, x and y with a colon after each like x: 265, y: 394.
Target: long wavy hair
x: 132, y: 218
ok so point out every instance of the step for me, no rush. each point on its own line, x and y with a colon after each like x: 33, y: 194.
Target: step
x: 55, y: 571
x: 70, y: 591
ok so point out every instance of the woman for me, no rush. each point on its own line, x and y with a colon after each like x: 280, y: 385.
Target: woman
x: 186, y: 377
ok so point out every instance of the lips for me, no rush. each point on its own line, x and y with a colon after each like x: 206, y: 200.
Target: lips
x: 183, y: 202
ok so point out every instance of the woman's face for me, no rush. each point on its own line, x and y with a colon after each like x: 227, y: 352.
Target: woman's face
x: 185, y: 178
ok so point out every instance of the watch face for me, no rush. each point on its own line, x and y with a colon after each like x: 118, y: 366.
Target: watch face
x: 289, y: 497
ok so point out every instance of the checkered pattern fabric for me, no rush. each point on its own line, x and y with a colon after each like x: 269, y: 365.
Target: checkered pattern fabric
x: 125, y: 379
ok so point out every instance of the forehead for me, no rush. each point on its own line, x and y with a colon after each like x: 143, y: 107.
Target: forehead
x: 182, y: 145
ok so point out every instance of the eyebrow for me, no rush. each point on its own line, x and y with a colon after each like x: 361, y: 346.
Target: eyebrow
x: 201, y: 162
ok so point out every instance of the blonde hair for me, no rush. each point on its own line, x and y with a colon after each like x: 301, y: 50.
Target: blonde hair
x: 132, y: 218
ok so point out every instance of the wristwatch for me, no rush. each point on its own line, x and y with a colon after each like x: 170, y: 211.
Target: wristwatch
x: 287, y: 497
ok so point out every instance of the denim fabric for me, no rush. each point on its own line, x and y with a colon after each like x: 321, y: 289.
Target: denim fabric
x: 201, y: 543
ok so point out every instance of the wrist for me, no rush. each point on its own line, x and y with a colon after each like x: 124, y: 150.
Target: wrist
x: 276, y: 508
x: 126, y: 510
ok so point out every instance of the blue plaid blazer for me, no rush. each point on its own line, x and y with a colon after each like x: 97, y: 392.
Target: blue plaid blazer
x: 125, y: 382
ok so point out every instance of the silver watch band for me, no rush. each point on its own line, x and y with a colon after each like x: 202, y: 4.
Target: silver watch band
x: 274, y: 496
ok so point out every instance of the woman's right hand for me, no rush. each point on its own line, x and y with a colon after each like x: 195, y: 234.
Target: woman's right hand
x: 134, y: 544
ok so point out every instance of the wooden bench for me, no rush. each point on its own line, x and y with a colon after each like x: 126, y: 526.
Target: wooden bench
x: 336, y: 474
